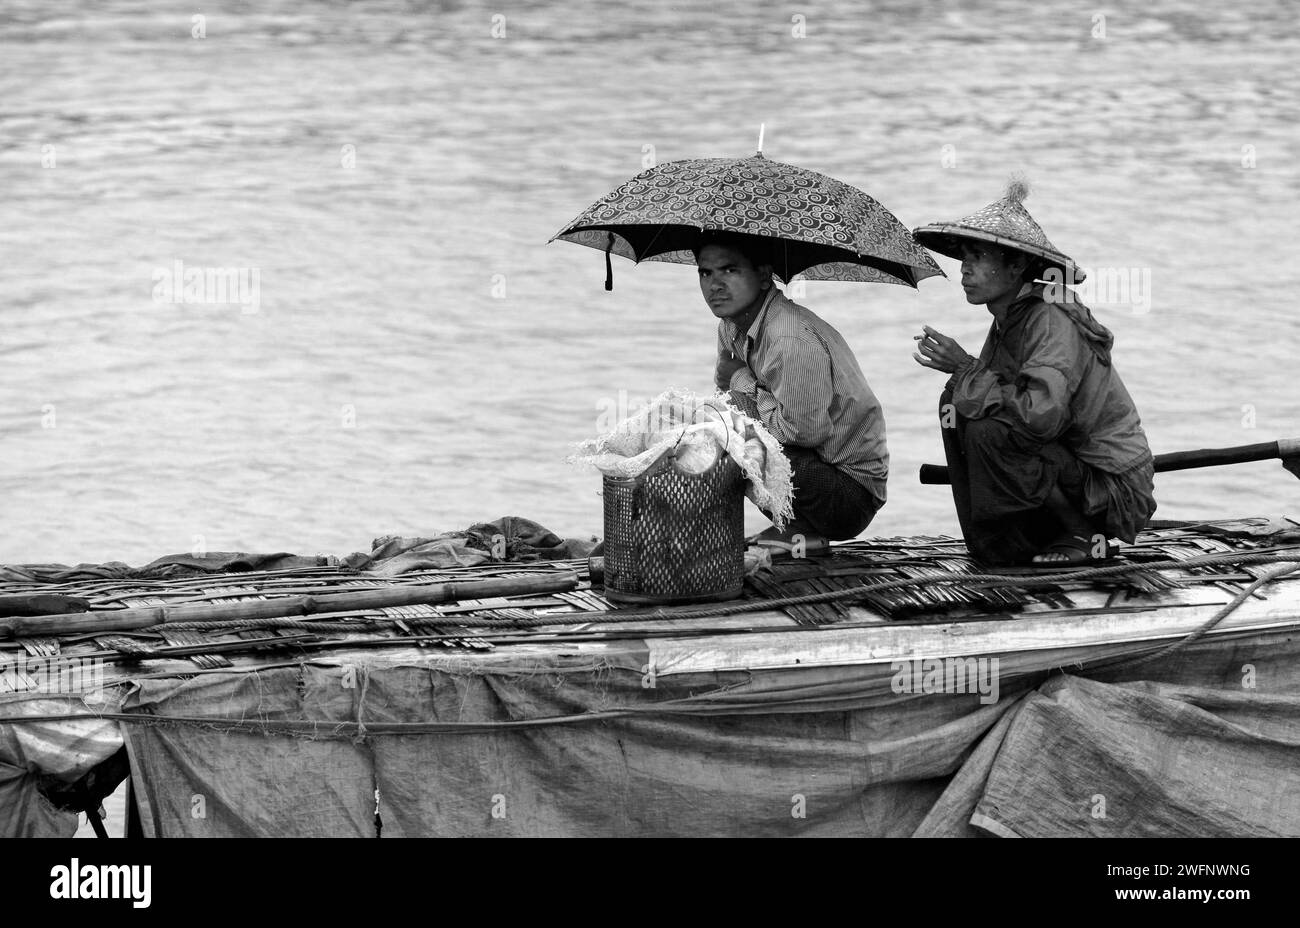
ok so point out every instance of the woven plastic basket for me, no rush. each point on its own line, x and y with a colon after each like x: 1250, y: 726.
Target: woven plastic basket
x: 675, y: 537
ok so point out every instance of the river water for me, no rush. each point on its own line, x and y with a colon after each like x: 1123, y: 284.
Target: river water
x: 419, y: 357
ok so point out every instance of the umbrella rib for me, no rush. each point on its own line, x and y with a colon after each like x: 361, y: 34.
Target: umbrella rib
x: 649, y: 244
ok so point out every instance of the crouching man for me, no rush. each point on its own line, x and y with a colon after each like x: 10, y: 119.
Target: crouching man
x: 790, y: 370
x: 1045, y: 449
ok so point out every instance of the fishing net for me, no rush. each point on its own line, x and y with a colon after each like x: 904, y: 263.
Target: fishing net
x: 695, y: 431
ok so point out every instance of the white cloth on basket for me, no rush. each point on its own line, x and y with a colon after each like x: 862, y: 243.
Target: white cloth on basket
x: 693, y: 430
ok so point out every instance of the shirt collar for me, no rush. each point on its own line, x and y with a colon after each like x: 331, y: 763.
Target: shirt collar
x: 1027, y: 292
x: 756, y: 326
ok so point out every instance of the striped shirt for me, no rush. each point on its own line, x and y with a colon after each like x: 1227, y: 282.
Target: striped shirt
x: 804, y: 384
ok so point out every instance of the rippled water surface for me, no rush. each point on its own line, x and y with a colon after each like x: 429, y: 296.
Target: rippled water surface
x: 421, y: 359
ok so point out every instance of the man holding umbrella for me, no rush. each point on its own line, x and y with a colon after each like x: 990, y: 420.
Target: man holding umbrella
x: 744, y: 223
x: 1045, y: 449
x: 787, y: 368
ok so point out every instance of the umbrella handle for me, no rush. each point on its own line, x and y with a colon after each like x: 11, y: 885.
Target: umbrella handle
x: 609, y: 265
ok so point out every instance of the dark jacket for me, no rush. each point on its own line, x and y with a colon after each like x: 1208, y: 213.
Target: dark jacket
x: 1046, y: 371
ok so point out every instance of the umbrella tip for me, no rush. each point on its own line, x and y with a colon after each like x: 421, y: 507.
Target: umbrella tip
x: 761, y: 127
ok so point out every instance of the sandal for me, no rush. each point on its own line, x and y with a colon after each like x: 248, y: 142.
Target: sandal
x: 1077, y: 550
x: 783, y: 545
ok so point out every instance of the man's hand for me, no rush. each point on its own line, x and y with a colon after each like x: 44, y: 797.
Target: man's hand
x: 939, y: 352
x: 727, y: 365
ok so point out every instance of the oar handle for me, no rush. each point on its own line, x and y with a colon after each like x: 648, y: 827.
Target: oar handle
x: 935, y: 474
x: 1284, y: 448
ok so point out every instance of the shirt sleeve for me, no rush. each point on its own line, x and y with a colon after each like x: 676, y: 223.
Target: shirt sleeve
x: 794, y: 402
x: 1037, y: 401
x: 746, y: 404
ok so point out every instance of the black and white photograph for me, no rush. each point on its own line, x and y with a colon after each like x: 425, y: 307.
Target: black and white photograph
x: 440, y: 418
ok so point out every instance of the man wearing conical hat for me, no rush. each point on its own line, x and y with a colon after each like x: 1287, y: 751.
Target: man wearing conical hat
x: 1045, y: 449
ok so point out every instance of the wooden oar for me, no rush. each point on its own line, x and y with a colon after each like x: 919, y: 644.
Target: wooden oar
x: 74, y: 623
x: 1285, y: 449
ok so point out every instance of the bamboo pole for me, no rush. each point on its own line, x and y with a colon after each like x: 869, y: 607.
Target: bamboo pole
x: 354, y: 601
x: 1285, y: 449
x: 36, y: 603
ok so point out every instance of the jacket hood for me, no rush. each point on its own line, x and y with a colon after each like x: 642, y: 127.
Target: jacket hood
x: 1099, y: 338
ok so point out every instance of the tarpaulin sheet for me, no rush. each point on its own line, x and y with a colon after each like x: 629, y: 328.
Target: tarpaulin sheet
x: 511, y: 538
x: 1208, y: 746
x: 580, y: 746
x: 25, y: 812
x: 1083, y: 758
x: 43, y: 749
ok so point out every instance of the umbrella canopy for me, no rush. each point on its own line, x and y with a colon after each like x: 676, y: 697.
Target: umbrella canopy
x: 809, y: 224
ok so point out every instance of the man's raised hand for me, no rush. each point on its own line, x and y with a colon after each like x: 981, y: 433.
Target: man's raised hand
x: 939, y: 352
x: 727, y: 365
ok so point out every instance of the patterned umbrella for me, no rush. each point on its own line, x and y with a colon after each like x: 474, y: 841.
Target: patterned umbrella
x: 809, y: 224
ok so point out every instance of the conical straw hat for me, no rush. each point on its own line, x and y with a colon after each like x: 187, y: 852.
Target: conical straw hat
x: 1004, y: 222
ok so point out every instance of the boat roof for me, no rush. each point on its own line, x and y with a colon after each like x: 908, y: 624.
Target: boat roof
x: 873, y: 601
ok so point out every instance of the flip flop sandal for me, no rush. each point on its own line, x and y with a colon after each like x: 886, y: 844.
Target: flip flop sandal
x: 779, y: 550
x: 1077, y: 545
